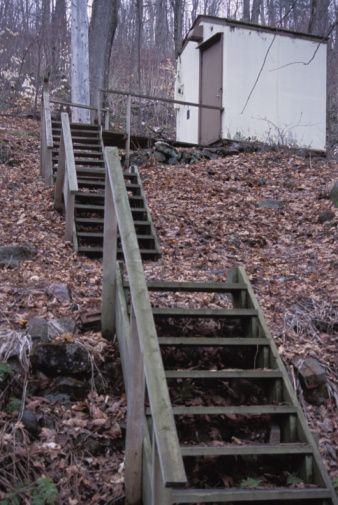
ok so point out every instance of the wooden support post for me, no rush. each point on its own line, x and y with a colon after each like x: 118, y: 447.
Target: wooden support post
x: 109, y: 264
x: 160, y: 495
x: 107, y: 119
x: 128, y: 127
x: 135, y: 419
x: 60, y: 175
x: 99, y: 108
x: 70, y: 209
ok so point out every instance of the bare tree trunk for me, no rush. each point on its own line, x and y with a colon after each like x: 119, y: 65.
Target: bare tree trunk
x: 319, y: 18
x: 256, y: 10
x: 246, y: 10
x: 102, y: 29
x: 80, y: 60
x: 178, y: 25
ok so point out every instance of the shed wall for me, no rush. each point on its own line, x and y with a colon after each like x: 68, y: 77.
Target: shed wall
x: 274, y: 87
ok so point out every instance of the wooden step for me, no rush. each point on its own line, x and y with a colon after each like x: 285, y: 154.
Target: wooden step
x: 240, y: 410
x: 97, y: 251
x: 213, y: 341
x: 245, y: 450
x: 204, y: 313
x: 88, y: 162
x: 223, y: 374
x: 250, y: 495
x: 93, y: 221
x: 195, y: 287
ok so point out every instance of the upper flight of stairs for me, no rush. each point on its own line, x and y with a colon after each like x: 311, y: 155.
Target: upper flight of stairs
x: 89, y: 200
x: 243, y: 436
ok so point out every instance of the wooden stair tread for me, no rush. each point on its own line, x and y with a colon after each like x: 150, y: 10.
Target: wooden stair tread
x: 233, y: 495
x: 224, y: 374
x: 206, y: 287
x: 255, y: 410
x: 203, y: 313
x: 213, y: 341
x: 246, y: 449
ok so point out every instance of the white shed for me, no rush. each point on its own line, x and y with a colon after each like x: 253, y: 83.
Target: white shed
x: 269, y: 83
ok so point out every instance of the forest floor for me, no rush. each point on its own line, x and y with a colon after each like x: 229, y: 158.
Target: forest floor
x: 209, y: 216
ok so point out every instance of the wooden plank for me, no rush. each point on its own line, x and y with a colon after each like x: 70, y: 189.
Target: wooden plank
x: 160, y: 495
x: 109, y: 264
x: 47, y: 119
x: 60, y: 175
x: 135, y: 419
x: 69, y: 215
x: 69, y: 154
x: 172, y: 468
x: 321, y: 475
x: 128, y: 125
x: 245, y: 450
x: 223, y: 374
x: 241, y: 410
x: 213, y: 341
x: 248, y: 495
x: 148, y: 213
x: 203, y: 313
x: 196, y: 287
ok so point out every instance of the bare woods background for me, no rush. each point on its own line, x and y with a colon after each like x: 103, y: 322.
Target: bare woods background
x: 133, y: 43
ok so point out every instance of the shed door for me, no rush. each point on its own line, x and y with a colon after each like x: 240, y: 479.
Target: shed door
x: 211, y: 89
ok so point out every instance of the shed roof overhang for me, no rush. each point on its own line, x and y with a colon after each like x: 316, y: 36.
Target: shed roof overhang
x: 196, y: 31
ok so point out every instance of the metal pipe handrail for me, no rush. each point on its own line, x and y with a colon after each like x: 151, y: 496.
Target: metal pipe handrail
x: 76, y: 105
x: 160, y: 99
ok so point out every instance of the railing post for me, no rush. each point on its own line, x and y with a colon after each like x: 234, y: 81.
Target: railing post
x: 135, y: 418
x: 109, y: 263
x: 47, y: 154
x: 99, y: 108
x: 159, y: 494
x: 60, y: 175
x: 70, y: 210
x: 128, y: 126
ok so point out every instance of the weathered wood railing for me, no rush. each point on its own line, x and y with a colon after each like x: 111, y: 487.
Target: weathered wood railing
x: 46, y: 138
x: 140, y: 352
x: 66, y: 180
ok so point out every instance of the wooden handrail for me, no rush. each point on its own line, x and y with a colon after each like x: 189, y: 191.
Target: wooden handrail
x: 66, y: 178
x: 46, y: 147
x: 169, y: 453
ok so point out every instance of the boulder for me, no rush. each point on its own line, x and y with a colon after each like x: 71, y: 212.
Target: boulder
x: 31, y: 422
x: 270, y: 204
x: 61, y: 358
x: 12, y: 255
x: 60, y: 291
x: 313, y: 380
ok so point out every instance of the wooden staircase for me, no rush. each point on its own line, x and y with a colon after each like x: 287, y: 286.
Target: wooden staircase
x: 89, y: 199
x: 243, y: 436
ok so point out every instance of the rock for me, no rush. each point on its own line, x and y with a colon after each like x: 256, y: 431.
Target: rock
x: 172, y: 161
x: 327, y: 215
x: 235, y: 240
x: 31, y: 423
x: 311, y: 372
x: 57, y: 327
x: 160, y: 157
x: 334, y: 194
x: 12, y: 255
x: 270, y: 204
x: 74, y: 389
x: 166, y: 149
x: 61, y: 358
x: 261, y: 181
x: 60, y: 291
x: 38, y: 328
x: 58, y: 398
